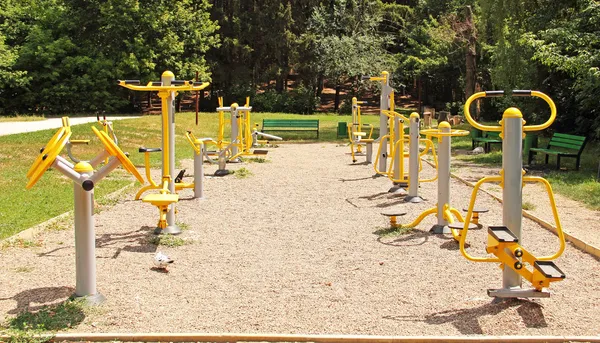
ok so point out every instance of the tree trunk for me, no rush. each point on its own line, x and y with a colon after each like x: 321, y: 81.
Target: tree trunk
x: 471, y: 55
x: 336, y: 101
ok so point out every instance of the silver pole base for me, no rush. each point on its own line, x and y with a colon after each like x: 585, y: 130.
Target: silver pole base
x: 169, y: 230
x: 413, y: 199
x: 90, y: 300
x: 440, y: 229
x: 398, y: 191
x: 518, y: 292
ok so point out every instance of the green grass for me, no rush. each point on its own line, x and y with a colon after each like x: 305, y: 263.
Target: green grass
x: 393, y: 231
x: 50, y: 318
x: 21, y: 118
x: 21, y: 243
x: 528, y: 206
x: 242, y: 173
x: 168, y: 241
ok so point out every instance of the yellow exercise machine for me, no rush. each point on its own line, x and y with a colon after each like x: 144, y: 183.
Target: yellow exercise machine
x: 84, y: 180
x: 357, y: 136
x: 396, y: 172
x: 167, y: 89
x: 505, y: 242
x: 385, y: 104
x: 445, y: 213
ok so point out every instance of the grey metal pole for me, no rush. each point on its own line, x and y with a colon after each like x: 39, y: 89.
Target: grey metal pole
x: 369, y: 152
x: 398, y: 157
x: 443, y: 178
x: 234, y: 130
x: 199, y: 173
x: 85, y: 237
x: 512, y: 192
x: 384, y: 105
x: 413, y: 161
x: 171, y: 228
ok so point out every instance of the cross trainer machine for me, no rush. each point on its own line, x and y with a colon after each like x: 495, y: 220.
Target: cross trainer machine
x: 84, y: 180
x: 167, y: 89
x: 445, y: 213
x: 505, y: 242
x: 357, y: 136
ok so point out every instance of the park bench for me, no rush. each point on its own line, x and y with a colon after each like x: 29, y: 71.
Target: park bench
x: 486, y: 137
x: 561, y: 145
x: 291, y: 125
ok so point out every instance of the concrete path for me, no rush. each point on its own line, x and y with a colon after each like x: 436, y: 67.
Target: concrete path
x: 9, y: 128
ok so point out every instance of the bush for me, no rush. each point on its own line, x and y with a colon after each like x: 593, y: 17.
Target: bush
x: 300, y: 100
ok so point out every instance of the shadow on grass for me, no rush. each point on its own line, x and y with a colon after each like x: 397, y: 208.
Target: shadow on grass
x: 27, y: 299
x: 466, y: 321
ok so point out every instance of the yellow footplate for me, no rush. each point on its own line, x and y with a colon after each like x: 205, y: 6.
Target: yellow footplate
x: 161, y: 200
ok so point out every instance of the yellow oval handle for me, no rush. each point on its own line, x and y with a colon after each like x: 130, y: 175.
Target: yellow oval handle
x: 526, y: 128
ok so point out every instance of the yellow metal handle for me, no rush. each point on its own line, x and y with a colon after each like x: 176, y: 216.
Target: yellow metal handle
x: 79, y: 141
x: 48, y: 155
x: 157, y: 86
x: 437, y: 133
x: 192, y: 139
x: 519, y: 93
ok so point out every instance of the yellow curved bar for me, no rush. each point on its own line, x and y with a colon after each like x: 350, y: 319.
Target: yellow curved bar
x: 467, y: 220
x: 471, y: 120
x: 192, y: 139
x: 398, y: 146
x: 188, y: 86
x: 559, y: 230
x: 552, y: 113
x: 421, y: 217
x: 436, y: 133
x: 392, y: 114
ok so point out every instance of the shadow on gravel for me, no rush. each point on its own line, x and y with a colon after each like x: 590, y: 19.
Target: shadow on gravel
x: 414, y: 238
x: 133, y: 241
x: 32, y: 300
x: 466, y: 321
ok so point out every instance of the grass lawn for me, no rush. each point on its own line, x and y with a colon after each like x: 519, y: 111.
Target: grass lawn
x: 21, y: 118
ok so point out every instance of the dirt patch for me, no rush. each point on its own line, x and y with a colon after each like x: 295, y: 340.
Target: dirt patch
x: 293, y: 249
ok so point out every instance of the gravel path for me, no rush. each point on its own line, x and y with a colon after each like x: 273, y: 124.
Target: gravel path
x: 293, y: 249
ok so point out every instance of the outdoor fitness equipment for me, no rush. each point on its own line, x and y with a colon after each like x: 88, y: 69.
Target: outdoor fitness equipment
x: 444, y: 212
x: 357, y: 136
x: 167, y: 89
x: 397, y: 140
x: 84, y: 181
x: 505, y: 241
x: 244, y: 136
x: 385, y: 104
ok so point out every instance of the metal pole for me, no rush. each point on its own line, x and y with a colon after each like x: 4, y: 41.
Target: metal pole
x: 398, y: 157
x: 369, y: 152
x: 512, y: 179
x: 234, y: 130
x: 166, y: 79
x: 85, y: 237
x: 413, y: 161
x: 199, y: 173
x: 384, y: 105
x: 443, y: 178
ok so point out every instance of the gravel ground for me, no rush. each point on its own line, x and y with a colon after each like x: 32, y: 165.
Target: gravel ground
x: 293, y: 248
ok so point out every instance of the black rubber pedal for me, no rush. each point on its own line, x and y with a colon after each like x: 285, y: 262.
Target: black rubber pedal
x: 549, y: 269
x: 502, y: 234
x: 143, y: 149
x: 179, y: 176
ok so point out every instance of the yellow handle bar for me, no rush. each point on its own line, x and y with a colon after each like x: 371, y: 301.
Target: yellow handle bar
x: 392, y: 114
x: 79, y: 141
x: 176, y: 85
x: 514, y: 93
x: 438, y: 133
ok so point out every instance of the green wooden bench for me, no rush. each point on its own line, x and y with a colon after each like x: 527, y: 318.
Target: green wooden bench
x: 561, y: 145
x: 291, y: 125
x: 486, y: 137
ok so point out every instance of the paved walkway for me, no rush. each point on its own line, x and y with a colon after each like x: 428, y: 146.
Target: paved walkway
x: 9, y: 128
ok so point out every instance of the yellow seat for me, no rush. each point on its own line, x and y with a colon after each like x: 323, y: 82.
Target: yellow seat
x: 360, y: 134
x: 161, y: 200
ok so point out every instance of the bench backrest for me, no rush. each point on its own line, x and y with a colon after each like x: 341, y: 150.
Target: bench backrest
x: 492, y: 134
x: 567, y: 142
x: 302, y: 123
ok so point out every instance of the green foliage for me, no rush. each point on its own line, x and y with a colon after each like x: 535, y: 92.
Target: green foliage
x: 300, y: 100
